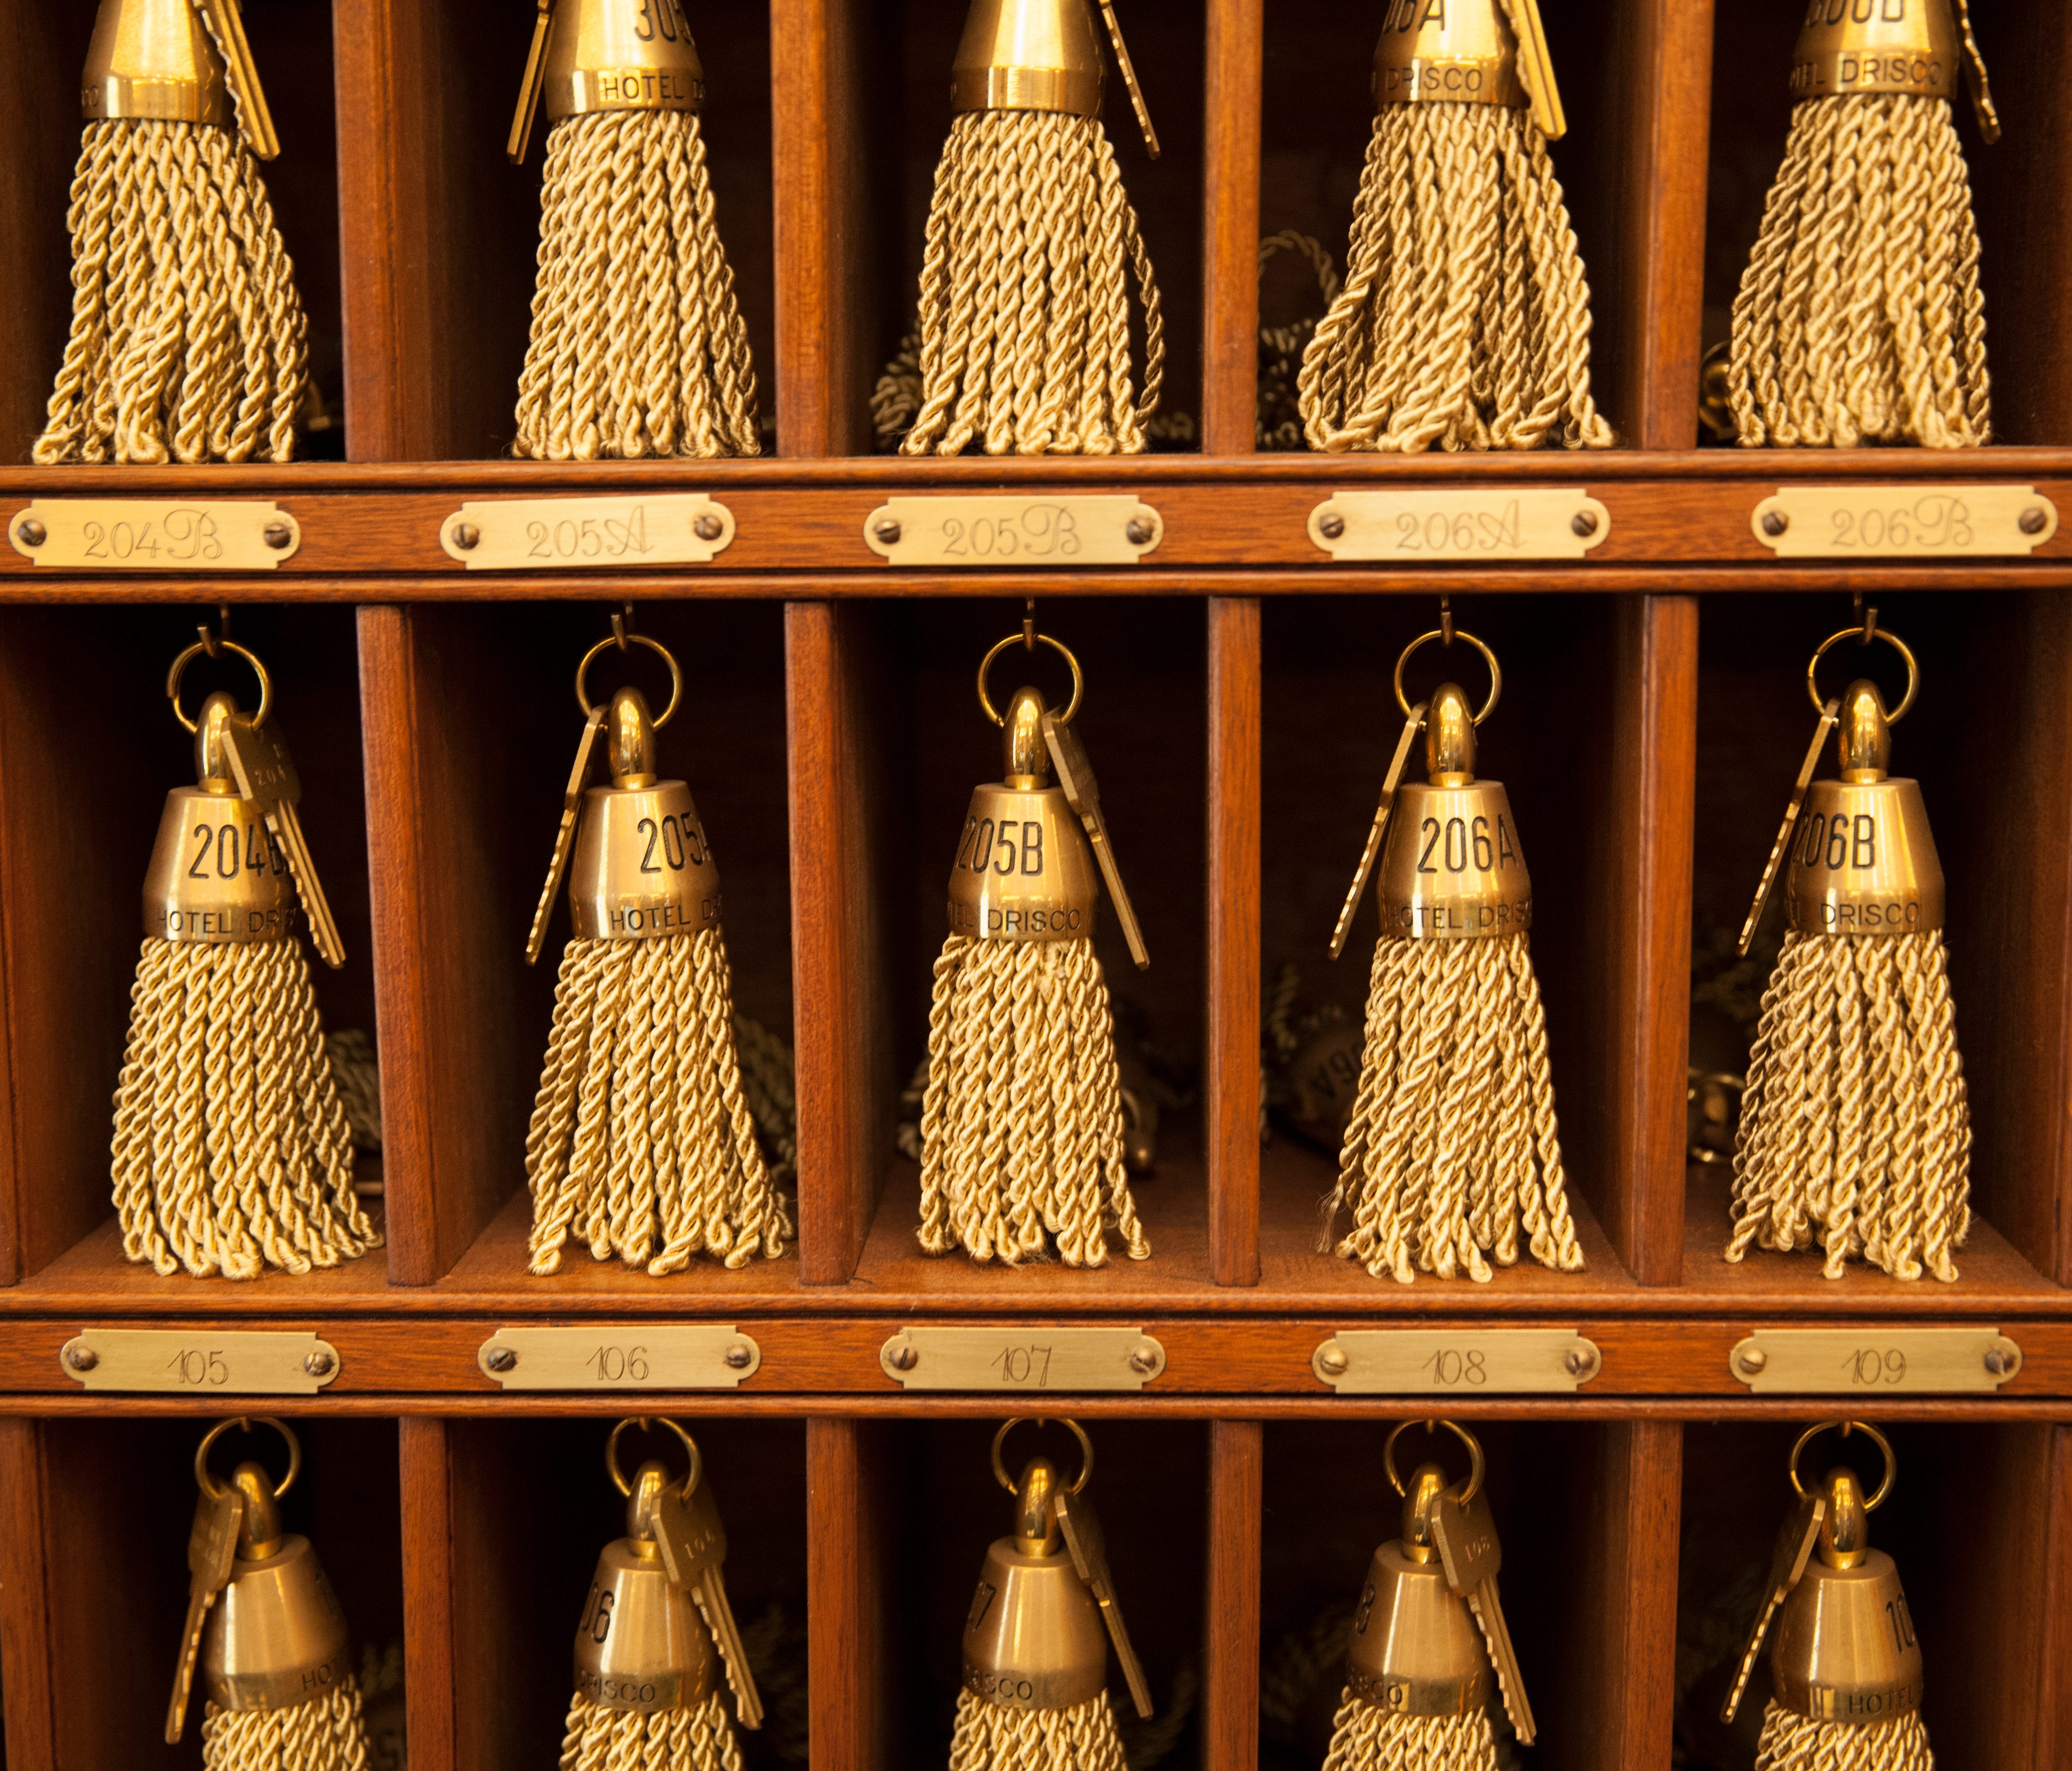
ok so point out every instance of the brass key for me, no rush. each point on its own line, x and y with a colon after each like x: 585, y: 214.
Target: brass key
x: 693, y: 1545
x: 565, y: 838
x: 212, y: 1552
x: 1075, y: 775
x: 1465, y: 1534
x: 1787, y: 1566
x: 1829, y: 716
x: 1084, y: 1539
x: 1379, y: 830
x: 266, y: 777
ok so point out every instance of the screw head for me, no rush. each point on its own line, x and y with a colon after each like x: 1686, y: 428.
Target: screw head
x: 889, y: 532
x: 2034, y: 520
x: 1332, y: 1362
x: 2000, y: 1362
x: 904, y: 1356
x: 82, y: 1358
x: 1584, y: 523
x: 1141, y: 532
x: 319, y: 1364
x: 738, y: 1357
x: 1143, y: 1360
x: 277, y: 533
x: 1580, y: 1362
x: 1332, y: 526
x: 31, y: 531
x: 1751, y: 1360
x: 1775, y: 523
x: 709, y: 527
x: 467, y: 537
x: 503, y: 1359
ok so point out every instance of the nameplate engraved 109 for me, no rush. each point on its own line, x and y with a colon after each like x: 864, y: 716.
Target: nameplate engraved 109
x: 1457, y: 1363
x: 1894, y: 1361
x: 155, y: 535
x: 1447, y: 529
x: 1012, y: 1359
x: 620, y: 1356
x: 560, y: 534
x: 1068, y: 530
x: 200, y: 1362
x: 1903, y: 522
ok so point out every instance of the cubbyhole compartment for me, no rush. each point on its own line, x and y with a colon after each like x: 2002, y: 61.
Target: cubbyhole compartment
x: 39, y: 142
x: 1988, y: 740
x: 473, y: 730
x: 2021, y: 187
x: 88, y: 749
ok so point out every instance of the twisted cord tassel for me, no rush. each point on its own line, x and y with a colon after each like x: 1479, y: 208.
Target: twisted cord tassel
x: 639, y: 347
x: 990, y: 1738
x: 1367, y: 1737
x: 326, y: 1734
x: 1791, y: 1742
x: 597, y: 1739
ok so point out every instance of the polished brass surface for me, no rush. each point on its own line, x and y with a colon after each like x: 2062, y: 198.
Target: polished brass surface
x: 1076, y: 776
x: 1024, y: 869
x: 1477, y: 1466
x: 1463, y: 1532
x: 153, y: 59
x: 1377, y: 832
x: 1129, y: 79
x: 266, y: 777
x: 214, y: 877
x: 1030, y: 642
x: 1415, y: 1650
x: 1795, y: 1546
x: 1461, y: 53
x: 226, y: 30
x: 1452, y: 867
x: 1847, y: 47
x: 617, y: 55
x: 1029, y: 55
x: 640, y: 1646
x: 278, y: 1637
x: 212, y: 1555
x: 1088, y: 1544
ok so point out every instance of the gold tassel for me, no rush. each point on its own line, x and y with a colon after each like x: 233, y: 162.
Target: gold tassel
x: 1365, y: 1737
x: 1799, y: 1743
x: 678, y: 1739
x: 324, y: 1734
x: 1465, y: 319
x: 642, y: 1144
x: 1452, y: 1148
x: 188, y: 340
x: 639, y: 347
x: 990, y: 1738
x: 1859, y: 318
x: 1854, y: 1129
x: 1025, y: 309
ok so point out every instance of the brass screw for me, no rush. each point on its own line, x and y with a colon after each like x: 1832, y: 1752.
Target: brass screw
x: 709, y: 527
x: 904, y: 1356
x: 1331, y: 526
x: 278, y: 534
x: 1775, y: 523
x: 2000, y: 1362
x: 1141, y: 532
x: 1332, y: 1361
x: 502, y: 1359
x: 82, y: 1358
x: 1580, y: 1363
x: 1144, y: 1361
x: 738, y: 1356
x: 2034, y: 520
x: 31, y: 531
x: 889, y: 532
x: 1751, y: 1361
x: 467, y: 537
x: 319, y: 1363
x: 1584, y: 523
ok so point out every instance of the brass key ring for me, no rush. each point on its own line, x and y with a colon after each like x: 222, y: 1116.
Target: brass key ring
x: 1079, y: 1432
x: 655, y: 646
x: 194, y: 651
x: 243, y: 1423
x: 1488, y: 658
x: 645, y: 1422
x: 1476, y: 1466
x: 1849, y: 1427
x: 1058, y: 646
x: 1893, y: 641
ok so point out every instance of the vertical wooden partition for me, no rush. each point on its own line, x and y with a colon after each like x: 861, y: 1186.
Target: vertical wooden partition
x: 1230, y: 1618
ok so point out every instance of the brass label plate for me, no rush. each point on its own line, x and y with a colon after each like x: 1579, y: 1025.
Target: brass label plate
x: 572, y: 534
x: 200, y: 1362
x: 1040, y: 531
x: 156, y: 534
x: 1011, y: 1359
x: 1457, y: 1362
x: 1453, y: 529
x: 1903, y: 522
x: 1877, y: 1361
x: 616, y: 1356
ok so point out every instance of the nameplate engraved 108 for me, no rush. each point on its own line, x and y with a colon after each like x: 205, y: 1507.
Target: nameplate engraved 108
x: 200, y: 1362
x: 1457, y: 1363
x: 620, y: 1356
x: 1447, y: 529
x: 1012, y: 1359
x: 1878, y: 1361
x: 155, y: 535
x: 1067, y: 530
x: 1903, y: 522
x: 560, y: 534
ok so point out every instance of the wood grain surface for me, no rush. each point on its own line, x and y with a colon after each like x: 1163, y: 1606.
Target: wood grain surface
x: 1230, y: 1617
x: 1230, y: 227
x: 1231, y: 1068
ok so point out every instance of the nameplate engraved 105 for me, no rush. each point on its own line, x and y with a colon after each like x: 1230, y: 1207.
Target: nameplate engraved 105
x: 1447, y: 529
x: 1457, y: 1363
x: 620, y: 1356
x: 947, y: 529
x: 1903, y: 522
x: 560, y: 534
x: 1878, y: 1361
x: 1011, y: 1359
x: 155, y: 535
x: 200, y: 1362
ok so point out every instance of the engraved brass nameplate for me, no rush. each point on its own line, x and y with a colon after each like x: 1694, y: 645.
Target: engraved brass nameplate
x: 1903, y: 522
x: 1449, y: 529
x: 1457, y: 1363
x: 1070, y: 530
x: 620, y: 1356
x: 561, y: 534
x: 1873, y: 1361
x: 200, y: 1362
x: 156, y: 534
x: 1013, y: 1359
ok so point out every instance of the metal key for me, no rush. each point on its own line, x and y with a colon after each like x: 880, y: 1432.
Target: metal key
x: 1830, y: 717
x: 266, y: 777
x: 1084, y: 1539
x: 1374, y: 836
x: 1795, y: 1546
x: 212, y: 1553
x: 565, y: 838
x: 1535, y: 74
x: 693, y: 1545
x: 1075, y: 775
x: 1465, y: 1534
x: 255, y: 121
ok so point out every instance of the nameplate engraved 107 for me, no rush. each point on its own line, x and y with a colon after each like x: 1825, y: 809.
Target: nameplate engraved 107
x: 199, y: 1362
x: 560, y: 534
x: 155, y: 535
x: 1067, y: 530
x: 620, y: 1356
x: 1903, y: 522
x: 1457, y: 1363
x: 1012, y: 1359
x: 1449, y: 528
x: 1878, y: 1361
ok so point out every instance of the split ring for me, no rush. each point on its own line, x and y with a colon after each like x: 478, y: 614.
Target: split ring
x: 1475, y: 1468
x: 1893, y: 641
x: 1849, y: 1427
x: 645, y: 1422
x: 1058, y: 646
x: 1488, y: 658
x: 1079, y: 1432
x: 243, y: 1423
x: 194, y: 651
x: 655, y: 646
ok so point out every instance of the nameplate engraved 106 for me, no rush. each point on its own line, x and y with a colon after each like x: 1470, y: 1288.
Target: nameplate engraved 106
x: 560, y: 534
x: 1903, y: 522
x: 1879, y: 1361
x: 1447, y: 529
x: 1457, y: 1363
x: 1011, y: 1359
x: 620, y: 1356
x: 155, y: 535
x: 1068, y: 530
x: 200, y: 1362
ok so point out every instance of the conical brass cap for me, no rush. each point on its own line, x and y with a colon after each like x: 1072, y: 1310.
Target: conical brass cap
x: 1446, y: 52
x: 153, y: 59
x: 1029, y: 55
x: 1876, y: 46
x: 622, y: 56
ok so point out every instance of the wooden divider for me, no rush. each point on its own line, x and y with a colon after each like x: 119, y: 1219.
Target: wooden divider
x: 432, y: 1651
x: 1230, y: 1616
